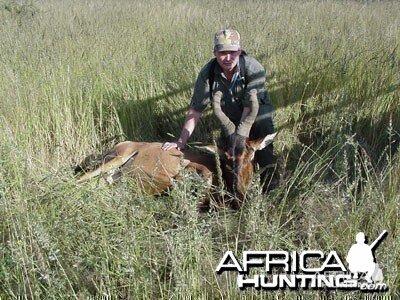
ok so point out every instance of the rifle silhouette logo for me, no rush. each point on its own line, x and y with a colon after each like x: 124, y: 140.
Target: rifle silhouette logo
x: 361, y: 258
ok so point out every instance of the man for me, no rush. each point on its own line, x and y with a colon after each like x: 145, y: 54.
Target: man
x: 361, y: 259
x: 240, y: 78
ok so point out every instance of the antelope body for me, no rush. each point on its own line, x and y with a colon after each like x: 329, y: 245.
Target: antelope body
x: 156, y: 169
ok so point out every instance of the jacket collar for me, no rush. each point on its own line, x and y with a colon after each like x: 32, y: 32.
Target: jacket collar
x: 218, y: 69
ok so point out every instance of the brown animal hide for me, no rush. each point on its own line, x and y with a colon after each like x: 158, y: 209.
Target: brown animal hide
x: 153, y: 168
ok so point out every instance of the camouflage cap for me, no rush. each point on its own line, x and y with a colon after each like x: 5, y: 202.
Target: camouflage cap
x: 227, y: 40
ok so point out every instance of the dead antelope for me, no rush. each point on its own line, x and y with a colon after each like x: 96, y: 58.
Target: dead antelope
x: 156, y: 169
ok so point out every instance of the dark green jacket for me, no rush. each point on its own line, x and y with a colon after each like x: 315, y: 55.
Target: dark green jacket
x: 255, y: 79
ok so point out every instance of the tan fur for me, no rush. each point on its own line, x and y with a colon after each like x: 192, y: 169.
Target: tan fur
x: 153, y: 168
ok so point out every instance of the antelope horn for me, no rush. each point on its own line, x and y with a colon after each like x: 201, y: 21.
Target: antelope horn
x: 245, y: 125
x: 227, y: 124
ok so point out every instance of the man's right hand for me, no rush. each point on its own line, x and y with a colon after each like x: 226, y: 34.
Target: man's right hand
x: 166, y: 146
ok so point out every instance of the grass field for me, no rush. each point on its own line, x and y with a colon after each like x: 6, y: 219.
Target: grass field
x: 78, y: 76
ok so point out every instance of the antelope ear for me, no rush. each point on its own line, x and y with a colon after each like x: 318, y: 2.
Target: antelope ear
x: 262, y: 142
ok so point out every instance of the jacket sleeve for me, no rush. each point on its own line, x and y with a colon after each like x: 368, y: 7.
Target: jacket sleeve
x: 255, y: 77
x: 255, y: 93
x: 201, y: 94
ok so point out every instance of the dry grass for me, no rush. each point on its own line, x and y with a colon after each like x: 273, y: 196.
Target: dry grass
x: 76, y: 77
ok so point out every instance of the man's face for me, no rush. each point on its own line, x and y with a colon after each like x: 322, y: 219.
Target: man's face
x: 227, y: 59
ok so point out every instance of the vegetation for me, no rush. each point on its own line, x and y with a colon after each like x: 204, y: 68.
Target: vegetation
x: 79, y: 76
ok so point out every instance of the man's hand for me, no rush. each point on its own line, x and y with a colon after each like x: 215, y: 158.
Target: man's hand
x: 166, y: 146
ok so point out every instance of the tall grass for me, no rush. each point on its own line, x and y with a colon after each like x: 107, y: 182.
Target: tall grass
x: 77, y: 77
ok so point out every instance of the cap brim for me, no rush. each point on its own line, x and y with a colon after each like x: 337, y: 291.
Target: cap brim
x: 220, y: 48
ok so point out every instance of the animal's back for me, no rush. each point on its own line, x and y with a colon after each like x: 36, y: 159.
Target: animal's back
x: 153, y: 168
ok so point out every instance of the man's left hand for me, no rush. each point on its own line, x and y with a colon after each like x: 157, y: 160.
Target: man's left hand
x: 166, y: 146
